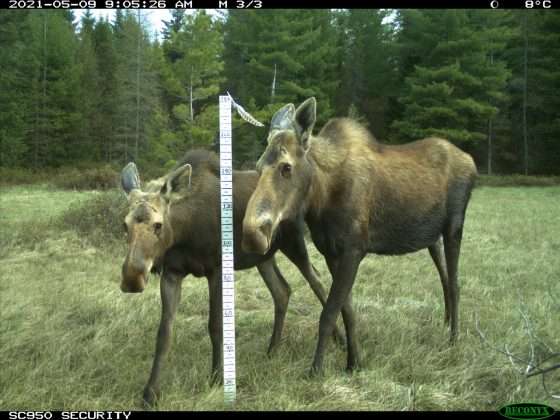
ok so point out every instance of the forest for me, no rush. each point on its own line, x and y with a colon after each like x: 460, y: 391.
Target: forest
x: 81, y: 96
x: 87, y: 92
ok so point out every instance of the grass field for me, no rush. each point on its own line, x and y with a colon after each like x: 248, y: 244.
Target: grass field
x: 71, y: 340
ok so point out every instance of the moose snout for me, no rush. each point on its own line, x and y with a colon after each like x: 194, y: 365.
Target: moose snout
x: 133, y: 279
x: 257, y: 235
x: 136, y: 287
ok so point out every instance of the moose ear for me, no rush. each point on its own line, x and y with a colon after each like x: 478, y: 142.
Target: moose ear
x: 305, y: 117
x: 130, y: 178
x: 283, y: 119
x: 173, y: 180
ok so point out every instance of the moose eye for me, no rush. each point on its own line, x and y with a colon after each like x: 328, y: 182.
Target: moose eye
x: 157, y: 228
x: 286, y: 170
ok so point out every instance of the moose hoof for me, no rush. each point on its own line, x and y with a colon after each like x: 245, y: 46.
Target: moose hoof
x: 315, y: 372
x: 216, y: 379
x: 272, y: 349
x: 453, y: 338
x: 352, y: 367
x: 151, y: 396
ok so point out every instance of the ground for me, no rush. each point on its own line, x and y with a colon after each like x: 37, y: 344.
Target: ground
x: 71, y: 340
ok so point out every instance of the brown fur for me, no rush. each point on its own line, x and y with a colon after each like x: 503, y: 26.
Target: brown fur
x: 190, y: 243
x: 386, y: 180
x: 360, y: 196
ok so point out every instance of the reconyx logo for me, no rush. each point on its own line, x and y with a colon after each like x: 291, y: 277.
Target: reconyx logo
x: 524, y: 411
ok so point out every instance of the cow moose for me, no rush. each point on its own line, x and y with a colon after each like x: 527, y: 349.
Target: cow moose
x: 173, y: 228
x: 360, y: 196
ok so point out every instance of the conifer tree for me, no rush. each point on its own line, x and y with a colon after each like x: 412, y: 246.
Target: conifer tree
x: 193, y: 80
x: 14, y: 87
x: 452, y: 89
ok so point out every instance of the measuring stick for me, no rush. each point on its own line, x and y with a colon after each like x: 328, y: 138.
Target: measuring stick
x: 228, y: 292
x: 226, y: 202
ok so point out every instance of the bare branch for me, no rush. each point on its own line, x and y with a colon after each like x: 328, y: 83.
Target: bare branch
x: 550, y: 394
x: 539, y: 371
x: 532, y: 367
x: 505, y: 351
x: 529, y: 331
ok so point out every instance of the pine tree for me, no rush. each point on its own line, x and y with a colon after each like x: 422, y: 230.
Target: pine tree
x: 492, y: 27
x: 106, y: 59
x: 193, y: 81
x: 452, y: 90
x: 94, y: 91
x: 544, y: 76
x: 14, y: 89
x: 534, y: 57
x: 136, y: 83
x: 87, y: 93
x: 369, y: 76
x: 240, y: 29
x: 52, y: 118
x: 173, y: 25
x: 294, y: 54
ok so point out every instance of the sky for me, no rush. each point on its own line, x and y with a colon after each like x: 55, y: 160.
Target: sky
x: 154, y: 17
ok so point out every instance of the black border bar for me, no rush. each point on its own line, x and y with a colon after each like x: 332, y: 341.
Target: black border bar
x: 281, y: 4
x: 245, y: 415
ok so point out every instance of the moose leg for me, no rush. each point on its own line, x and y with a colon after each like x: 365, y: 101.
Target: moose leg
x: 436, y: 252
x: 349, y: 319
x: 280, y: 291
x: 345, y: 268
x: 297, y: 254
x: 452, y: 243
x: 170, y: 288
x: 215, y: 324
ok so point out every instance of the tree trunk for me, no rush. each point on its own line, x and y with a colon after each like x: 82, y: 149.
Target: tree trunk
x: 490, y: 129
x: 36, y: 128
x: 525, y: 143
x: 273, y: 91
x: 490, y: 146
x: 137, y: 133
x: 191, y: 95
x: 44, y: 99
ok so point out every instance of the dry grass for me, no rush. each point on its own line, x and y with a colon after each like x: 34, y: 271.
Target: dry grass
x: 71, y: 340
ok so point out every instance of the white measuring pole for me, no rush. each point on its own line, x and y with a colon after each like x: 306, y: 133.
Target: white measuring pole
x: 228, y: 292
x: 226, y: 194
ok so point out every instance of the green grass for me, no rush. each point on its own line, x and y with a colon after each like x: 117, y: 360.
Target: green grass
x: 69, y: 339
x: 517, y: 180
x: 24, y: 204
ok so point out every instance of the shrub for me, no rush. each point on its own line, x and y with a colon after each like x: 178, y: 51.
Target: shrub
x: 99, y: 219
x: 22, y: 176
x: 100, y: 178
x: 78, y: 177
x: 24, y: 235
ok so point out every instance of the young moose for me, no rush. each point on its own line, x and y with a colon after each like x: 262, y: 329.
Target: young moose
x: 359, y: 196
x: 174, y: 227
